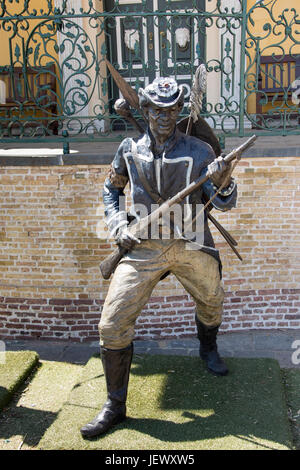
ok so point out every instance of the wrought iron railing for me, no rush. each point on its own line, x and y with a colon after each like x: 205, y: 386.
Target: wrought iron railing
x: 54, y: 83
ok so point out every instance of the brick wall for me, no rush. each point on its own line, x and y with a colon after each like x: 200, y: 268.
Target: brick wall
x: 51, y: 247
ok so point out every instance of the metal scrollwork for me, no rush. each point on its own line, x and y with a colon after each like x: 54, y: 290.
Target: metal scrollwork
x: 54, y: 82
x: 273, y: 51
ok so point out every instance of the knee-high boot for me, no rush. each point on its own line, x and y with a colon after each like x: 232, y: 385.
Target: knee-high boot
x: 208, y: 348
x: 116, y: 365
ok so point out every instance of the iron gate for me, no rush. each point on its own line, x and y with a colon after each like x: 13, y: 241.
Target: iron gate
x: 55, y: 86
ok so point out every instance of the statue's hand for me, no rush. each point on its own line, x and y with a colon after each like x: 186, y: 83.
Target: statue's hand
x: 220, y: 172
x: 125, y: 239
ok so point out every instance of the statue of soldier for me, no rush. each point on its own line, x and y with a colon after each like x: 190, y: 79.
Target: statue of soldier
x: 158, y: 165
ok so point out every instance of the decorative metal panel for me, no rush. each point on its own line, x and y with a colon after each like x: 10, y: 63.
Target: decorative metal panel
x: 55, y: 86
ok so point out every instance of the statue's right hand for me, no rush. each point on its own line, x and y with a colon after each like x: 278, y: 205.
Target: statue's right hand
x: 126, y: 239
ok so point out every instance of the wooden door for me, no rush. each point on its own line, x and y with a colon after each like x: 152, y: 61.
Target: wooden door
x: 163, y: 40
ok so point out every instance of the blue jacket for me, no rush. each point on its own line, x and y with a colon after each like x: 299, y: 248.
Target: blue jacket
x: 166, y: 171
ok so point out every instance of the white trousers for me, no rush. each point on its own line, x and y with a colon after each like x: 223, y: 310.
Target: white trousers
x: 138, y: 273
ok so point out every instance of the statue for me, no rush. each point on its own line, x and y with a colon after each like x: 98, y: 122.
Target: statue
x: 159, y: 165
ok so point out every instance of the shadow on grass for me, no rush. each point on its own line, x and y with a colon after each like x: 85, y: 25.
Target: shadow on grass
x: 4, y: 397
x: 198, y: 429
x: 173, y: 399
x: 26, y: 422
x: 248, y: 404
x: 22, y: 421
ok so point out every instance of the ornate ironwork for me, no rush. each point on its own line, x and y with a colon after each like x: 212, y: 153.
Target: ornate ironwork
x: 272, y: 48
x: 54, y: 84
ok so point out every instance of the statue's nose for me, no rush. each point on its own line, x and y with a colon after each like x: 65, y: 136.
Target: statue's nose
x: 165, y: 114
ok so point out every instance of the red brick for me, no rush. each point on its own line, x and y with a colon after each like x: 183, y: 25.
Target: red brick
x: 83, y: 302
x: 269, y: 291
x: 60, y: 302
x: 176, y: 298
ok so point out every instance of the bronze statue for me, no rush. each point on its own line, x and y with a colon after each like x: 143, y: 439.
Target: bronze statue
x: 159, y: 165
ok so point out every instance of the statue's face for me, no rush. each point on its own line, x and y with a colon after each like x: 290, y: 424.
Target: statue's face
x: 162, y: 121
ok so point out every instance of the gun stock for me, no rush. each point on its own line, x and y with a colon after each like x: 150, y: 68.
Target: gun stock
x: 110, y: 263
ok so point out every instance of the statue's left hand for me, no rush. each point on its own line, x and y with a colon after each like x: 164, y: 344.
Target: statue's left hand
x: 220, y: 172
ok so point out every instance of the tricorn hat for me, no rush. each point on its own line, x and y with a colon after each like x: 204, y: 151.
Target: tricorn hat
x: 163, y: 93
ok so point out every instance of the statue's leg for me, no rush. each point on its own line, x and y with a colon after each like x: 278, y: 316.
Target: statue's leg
x: 116, y: 366
x: 207, y: 336
x: 129, y: 291
x: 199, y: 273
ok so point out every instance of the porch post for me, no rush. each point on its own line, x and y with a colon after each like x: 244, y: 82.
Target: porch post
x: 83, y: 115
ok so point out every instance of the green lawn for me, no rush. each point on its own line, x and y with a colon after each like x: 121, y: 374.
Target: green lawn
x: 174, y: 403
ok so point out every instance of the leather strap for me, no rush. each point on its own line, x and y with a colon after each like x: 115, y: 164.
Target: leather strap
x: 152, y: 193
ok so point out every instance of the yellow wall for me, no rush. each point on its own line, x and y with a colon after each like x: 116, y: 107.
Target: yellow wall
x: 47, y: 49
x: 262, y: 17
x: 277, y: 40
x: 9, y: 41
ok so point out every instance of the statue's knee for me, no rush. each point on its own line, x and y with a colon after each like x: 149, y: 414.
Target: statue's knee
x: 114, y: 336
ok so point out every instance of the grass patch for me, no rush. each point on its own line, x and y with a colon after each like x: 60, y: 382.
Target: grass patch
x: 36, y: 405
x: 13, y: 372
x: 174, y: 403
x: 291, y: 379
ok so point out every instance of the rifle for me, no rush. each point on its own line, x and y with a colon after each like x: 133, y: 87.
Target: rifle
x: 110, y: 263
x: 131, y: 98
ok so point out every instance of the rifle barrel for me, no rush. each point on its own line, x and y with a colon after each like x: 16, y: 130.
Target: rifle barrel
x: 239, y: 150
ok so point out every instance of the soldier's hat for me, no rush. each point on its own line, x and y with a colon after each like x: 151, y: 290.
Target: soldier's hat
x: 163, y: 93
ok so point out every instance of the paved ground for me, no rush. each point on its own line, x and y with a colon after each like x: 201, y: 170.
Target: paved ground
x: 109, y: 148
x: 282, y: 345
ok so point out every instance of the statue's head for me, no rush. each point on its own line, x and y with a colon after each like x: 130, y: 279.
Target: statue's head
x: 162, y: 93
x: 161, y: 102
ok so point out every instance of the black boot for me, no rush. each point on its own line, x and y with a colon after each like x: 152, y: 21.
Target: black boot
x: 116, y: 365
x: 208, y: 348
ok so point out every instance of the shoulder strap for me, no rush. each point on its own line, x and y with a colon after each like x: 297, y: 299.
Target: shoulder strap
x: 152, y: 193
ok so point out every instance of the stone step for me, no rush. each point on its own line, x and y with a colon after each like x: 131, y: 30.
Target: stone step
x: 36, y: 404
x: 15, y: 367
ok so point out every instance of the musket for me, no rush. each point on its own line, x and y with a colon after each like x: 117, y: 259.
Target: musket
x: 110, y: 263
x: 232, y: 243
x: 131, y: 98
